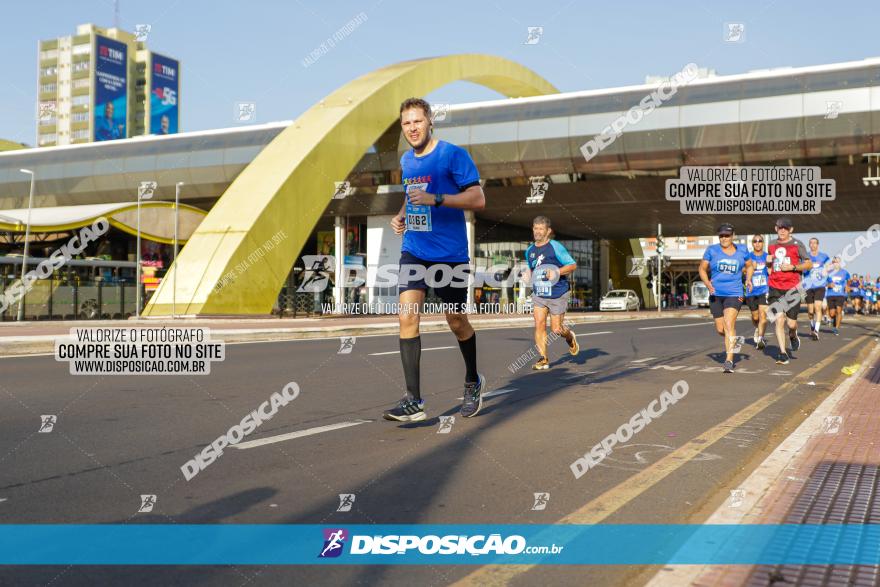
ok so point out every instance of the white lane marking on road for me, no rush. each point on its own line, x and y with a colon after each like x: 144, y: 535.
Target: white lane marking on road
x: 2, y: 499
x: 497, y: 392
x: 435, y: 348
x: 298, y: 434
x: 643, y: 360
x: 674, y: 326
x: 594, y: 333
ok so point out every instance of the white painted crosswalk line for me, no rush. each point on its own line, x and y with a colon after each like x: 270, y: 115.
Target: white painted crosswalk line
x: 298, y: 434
x: 674, y: 326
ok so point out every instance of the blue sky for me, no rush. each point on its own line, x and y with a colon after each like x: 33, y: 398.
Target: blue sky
x: 253, y: 51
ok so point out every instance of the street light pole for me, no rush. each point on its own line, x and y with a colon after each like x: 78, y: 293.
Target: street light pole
x: 145, y: 192
x: 137, y: 269
x: 659, y: 267
x: 174, y: 261
x: 27, y: 239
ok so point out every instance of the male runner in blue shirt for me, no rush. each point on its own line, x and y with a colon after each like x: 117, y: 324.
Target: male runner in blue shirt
x: 838, y: 280
x: 441, y: 182
x: 814, y: 283
x: 855, y: 293
x: 549, y: 262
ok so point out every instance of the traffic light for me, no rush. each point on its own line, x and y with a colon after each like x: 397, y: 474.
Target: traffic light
x: 661, y: 246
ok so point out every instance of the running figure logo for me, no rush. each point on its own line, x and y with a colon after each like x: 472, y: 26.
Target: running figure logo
x: 737, y: 496
x: 831, y: 424
x: 538, y: 189
x: 534, y: 35
x: 147, y: 503
x: 638, y: 267
x: 341, y: 190
x: 446, y: 423
x: 47, y: 424
x: 346, y: 501
x: 541, y: 500
x: 334, y: 541
x: 735, y: 32
x: 317, y: 273
x: 346, y: 345
x: 47, y: 111
x: 146, y: 189
x: 832, y: 109
x: 245, y: 111
x: 439, y: 112
x: 141, y: 32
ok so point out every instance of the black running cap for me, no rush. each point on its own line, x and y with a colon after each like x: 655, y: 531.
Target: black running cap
x: 784, y: 222
x: 725, y: 227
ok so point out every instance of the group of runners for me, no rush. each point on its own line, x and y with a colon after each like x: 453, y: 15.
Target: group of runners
x: 442, y: 182
x: 773, y: 279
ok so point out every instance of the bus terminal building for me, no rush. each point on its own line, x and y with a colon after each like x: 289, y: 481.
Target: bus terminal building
x: 260, y: 199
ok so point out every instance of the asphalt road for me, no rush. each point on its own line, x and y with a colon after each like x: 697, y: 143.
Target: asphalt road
x: 119, y: 437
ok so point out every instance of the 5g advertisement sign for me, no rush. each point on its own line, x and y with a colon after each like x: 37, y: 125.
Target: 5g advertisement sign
x: 164, y: 95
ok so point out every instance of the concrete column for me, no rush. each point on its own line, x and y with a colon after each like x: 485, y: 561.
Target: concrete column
x: 383, y: 247
x: 339, y: 241
x: 604, y: 269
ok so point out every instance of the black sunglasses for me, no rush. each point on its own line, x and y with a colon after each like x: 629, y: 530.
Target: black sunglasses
x: 725, y: 235
x: 757, y: 240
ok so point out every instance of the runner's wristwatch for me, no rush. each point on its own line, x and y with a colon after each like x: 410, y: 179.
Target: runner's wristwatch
x: 438, y: 199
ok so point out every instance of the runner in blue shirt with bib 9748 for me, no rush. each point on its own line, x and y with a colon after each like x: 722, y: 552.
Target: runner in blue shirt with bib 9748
x: 726, y: 261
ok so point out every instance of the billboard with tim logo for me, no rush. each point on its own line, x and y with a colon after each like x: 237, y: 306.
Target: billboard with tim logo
x: 111, y: 89
x: 164, y: 95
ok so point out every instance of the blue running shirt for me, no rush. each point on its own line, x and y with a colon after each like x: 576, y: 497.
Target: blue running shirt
x: 553, y: 254
x: 759, y: 277
x: 437, y: 233
x: 815, y: 278
x: 837, y: 283
x: 726, y: 270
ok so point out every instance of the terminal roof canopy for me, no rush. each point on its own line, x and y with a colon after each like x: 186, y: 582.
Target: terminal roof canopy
x: 157, y: 219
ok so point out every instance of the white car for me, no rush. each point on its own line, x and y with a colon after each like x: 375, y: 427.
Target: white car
x: 620, y: 299
x: 699, y: 294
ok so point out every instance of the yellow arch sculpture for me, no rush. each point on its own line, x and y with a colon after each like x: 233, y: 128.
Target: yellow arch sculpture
x: 288, y: 185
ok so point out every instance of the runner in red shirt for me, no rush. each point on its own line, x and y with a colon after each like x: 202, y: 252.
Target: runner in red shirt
x: 787, y: 260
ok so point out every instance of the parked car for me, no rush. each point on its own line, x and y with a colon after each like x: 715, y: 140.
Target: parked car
x: 700, y: 294
x: 620, y: 299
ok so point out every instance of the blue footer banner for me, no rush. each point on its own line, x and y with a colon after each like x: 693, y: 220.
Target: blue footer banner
x: 265, y: 544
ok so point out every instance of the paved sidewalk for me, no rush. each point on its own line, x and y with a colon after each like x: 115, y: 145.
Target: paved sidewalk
x: 18, y: 338
x: 826, y: 472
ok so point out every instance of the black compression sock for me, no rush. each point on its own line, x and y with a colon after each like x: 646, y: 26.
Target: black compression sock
x: 469, y: 352
x: 411, y: 356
